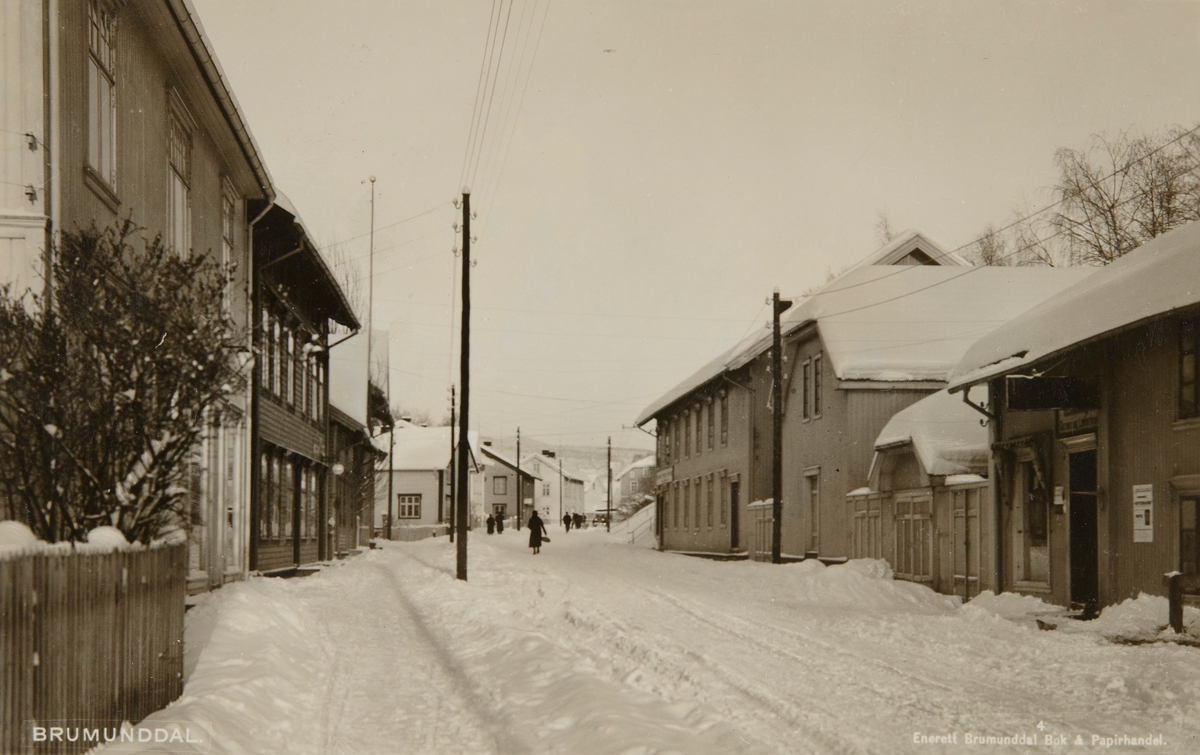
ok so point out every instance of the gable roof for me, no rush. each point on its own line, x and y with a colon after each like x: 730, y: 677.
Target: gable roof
x: 1158, y: 277
x: 911, y: 247
x: 552, y: 463
x: 645, y: 461
x: 946, y: 435
x: 897, y: 323
x: 489, y: 452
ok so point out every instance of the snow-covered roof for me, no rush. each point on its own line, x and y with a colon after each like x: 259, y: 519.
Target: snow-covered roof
x: 492, y: 453
x: 528, y: 461
x: 898, y: 323
x: 425, y: 448
x: 919, y: 246
x: 1157, y: 277
x: 945, y: 434
x: 642, y: 463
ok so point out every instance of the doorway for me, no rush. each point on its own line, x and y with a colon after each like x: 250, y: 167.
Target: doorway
x: 1085, y: 588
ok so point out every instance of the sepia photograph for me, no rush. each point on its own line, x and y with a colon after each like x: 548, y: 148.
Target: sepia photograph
x: 625, y: 377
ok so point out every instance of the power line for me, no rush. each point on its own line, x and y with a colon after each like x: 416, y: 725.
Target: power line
x: 475, y: 106
x: 380, y: 228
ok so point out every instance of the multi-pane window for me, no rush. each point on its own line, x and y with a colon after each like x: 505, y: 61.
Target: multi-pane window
x: 305, y: 503
x: 408, y: 506
x: 687, y: 503
x: 816, y: 386
x: 1189, y: 401
x: 229, y: 204
x: 1189, y: 544
x: 264, y: 497
x: 500, y: 485
x: 687, y: 435
x: 724, y: 498
x: 805, y: 384
x: 724, y: 419
x: 699, y: 430
x: 675, y: 425
x: 102, y: 94
x: 709, y: 491
x: 287, y: 497
x: 675, y: 506
x: 711, y: 425
x: 698, y: 496
x: 179, y: 201
x: 320, y: 397
x: 285, y: 366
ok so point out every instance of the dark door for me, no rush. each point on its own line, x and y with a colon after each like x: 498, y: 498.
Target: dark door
x: 1085, y: 588
x: 733, y: 515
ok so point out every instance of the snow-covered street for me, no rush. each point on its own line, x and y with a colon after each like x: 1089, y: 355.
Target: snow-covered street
x: 597, y: 646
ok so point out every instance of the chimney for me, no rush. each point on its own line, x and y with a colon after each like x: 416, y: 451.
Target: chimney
x: 548, y: 454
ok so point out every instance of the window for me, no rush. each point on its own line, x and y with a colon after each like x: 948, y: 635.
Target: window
x: 677, y: 424
x: 816, y: 386
x: 545, y: 488
x: 229, y: 204
x: 699, y: 429
x: 805, y: 383
x: 408, y: 506
x: 675, y: 506
x: 687, y: 503
x: 710, y: 501
x: 1189, y: 401
x: 102, y: 92
x: 320, y: 397
x: 273, y: 353
x: 724, y: 420
x: 179, y: 201
x: 687, y: 435
x: 711, y: 423
x: 724, y: 498
x: 287, y: 497
x: 305, y: 504
x: 1189, y: 544
x: 813, y: 478
x: 500, y: 485
x: 698, y: 498
x: 285, y: 366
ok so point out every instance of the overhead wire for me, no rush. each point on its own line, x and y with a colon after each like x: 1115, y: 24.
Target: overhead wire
x: 488, y: 40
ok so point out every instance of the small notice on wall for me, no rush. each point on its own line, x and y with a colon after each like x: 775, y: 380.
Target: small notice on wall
x: 1143, y: 513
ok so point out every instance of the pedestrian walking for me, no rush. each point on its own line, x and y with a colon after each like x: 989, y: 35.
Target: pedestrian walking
x: 499, y: 525
x: 578, y: 518
x: 491, y: 524
x: 567, y: 522
x: 537, y: 532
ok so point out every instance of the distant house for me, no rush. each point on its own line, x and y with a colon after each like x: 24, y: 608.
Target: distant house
x: 502, y: 495
x: 927, y: 507
x: 421, y: 476
x: 1094, y: 416
x: 558, y: 492
x: 869, y: 343
x: 635, y: 480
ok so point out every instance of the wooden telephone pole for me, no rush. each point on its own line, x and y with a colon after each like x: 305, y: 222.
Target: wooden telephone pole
x: 779, y: 306
x: 608, y: 519
x: 462, y: 488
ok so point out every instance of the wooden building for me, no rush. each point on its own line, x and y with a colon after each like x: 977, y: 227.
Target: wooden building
x: 421, y: 479
x: 876, y: 339
x: 295, y: 297
x: 558, y: 492
x: 927, y: 506
x: 1095, y: 431
x: 112, y: 110
x: 501, y: 490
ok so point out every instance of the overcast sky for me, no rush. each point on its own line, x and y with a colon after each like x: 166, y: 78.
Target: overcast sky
x: 668, y: 164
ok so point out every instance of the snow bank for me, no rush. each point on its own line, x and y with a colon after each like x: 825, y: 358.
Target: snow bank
x: 1140, y: 617
x: 865, y: 583
x: 1007, y: 605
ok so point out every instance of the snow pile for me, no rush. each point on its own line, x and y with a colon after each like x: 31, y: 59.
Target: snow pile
x: 15, y: 535
x: 1007, y: 605
x: 863, y: 583
x: 1142, y: 617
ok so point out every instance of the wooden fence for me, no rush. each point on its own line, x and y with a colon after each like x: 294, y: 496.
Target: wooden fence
x: 88, y: 640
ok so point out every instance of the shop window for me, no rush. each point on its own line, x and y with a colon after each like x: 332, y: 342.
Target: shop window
x: 1030, y: 522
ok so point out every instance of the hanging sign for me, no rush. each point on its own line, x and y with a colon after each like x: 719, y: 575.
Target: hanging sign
x: 1143, y: 513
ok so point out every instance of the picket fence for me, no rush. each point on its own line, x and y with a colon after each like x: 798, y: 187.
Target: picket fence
x: 88, y: 640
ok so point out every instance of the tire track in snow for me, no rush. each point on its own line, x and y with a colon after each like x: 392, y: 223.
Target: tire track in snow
x: 500, y: 730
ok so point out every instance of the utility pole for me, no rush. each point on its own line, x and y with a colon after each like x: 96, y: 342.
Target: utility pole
x: 520, y: 493
x: 370, y: 325
x: 778, y: 307
x: 465, y: 381
x: 453, y: 465
x: 560, y: 482
x: 391, y: 469
x: 608, y: 519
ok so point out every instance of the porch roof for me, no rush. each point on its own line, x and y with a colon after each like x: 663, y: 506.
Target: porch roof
x: 945, y: 434
x: 1156, y: 278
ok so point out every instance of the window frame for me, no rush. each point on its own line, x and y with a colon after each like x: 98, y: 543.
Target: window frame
x: 100, y: 159
x: 496, y: 480
x: 412, y: 505
x: 816, y: 386
x: 1189, y: 359
x: 180, y: 129
x: 805, y: 387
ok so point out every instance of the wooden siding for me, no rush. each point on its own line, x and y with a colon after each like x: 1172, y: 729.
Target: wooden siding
x: 285, y: 429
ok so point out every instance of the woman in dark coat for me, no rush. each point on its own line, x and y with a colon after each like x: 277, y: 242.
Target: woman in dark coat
x: 491, y: 524
x: 536, y: 530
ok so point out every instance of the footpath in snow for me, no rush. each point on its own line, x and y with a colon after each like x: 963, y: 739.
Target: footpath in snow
x: 597, y: 646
